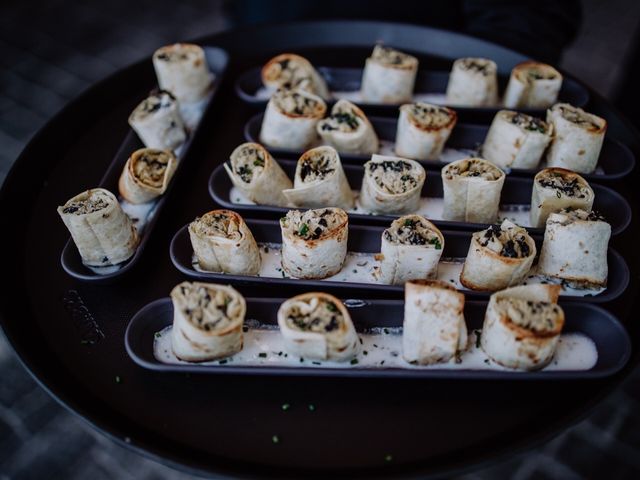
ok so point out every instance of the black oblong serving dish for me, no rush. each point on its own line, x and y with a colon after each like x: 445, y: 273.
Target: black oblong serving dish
x: 516, y: 191
x: 609, y: 336
x: 366, y: 239
x: 616, y: 159
x: 70, y: 259
x: 341, y: 79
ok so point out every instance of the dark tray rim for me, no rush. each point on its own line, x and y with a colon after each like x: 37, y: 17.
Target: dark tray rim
x: 359, y: 372
x: 181, y: 237
x: 219, y: 172
x: 356, y: 159
x: 253, y: 73
x: 71, y: 252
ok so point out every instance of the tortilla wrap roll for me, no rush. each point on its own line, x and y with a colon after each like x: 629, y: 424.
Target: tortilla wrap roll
x: 146, y: 175
x: 473, y: 82
x: 348, y: 130
x: 158, y: 122
x: 532, y: 85
x: 389, y: 76
x: 291, y: 71
x: 182, y: 69
x: 423, y: 130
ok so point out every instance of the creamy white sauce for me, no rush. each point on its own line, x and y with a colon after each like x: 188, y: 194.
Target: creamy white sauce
x: 361, y: 267
x: 264, y: 346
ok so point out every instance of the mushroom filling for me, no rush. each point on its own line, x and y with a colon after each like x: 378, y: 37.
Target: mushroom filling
x: 564, y: 185
x: 312, y: 224
x: 537, y: 72
x: 477, y: 65
x: 430, y: 116
x: 154, y: 102
x: 537, y: 317
x: 529, y: 123
x: 218, y: 224
x: 390, y: 56
x: 295, y: 103
x: 181, y: 54
x: 473, y: 168
x: 412, y: 231
x: 393, y: 176
x: 208, y: 308
x: 344, y: 121
x: 93, y: 202
x: 316, y: 166
x: 248, y: 163
x: 314, y: 315
x: 571, y: 215
x: 579, y: 117
x: 289, y: 73
x: 509, y: 242
x: 150, y: 167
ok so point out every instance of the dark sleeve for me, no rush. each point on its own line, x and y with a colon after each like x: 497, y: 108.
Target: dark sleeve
x: 540, y: 29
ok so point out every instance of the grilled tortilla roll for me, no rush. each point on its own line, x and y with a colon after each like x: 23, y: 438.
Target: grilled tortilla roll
x: 578, y: 138
x: 389, y: 76
x: 158, y: 122
x: 291, y: 71
x: 391, y: 185
x: 575, y: 248
x: 516, y: 140
x: 222, y: 242
x: 100, y: 229
x: 207, y: 321
x: 320, y: 181
x: 498, y: 257
x: 182, y: 69
x: 290, y: 119
x: 317, y: 326
x: 532, y: 85
x: 411, y: 249
x: 146, y: 175
x: 257, y: 175
x: 423, y: 129
x: 522, y: 326
x: 348, y: 130
x: 434, y: 329
x: 471, y: 189
x: 555, y: 189
x: 314, y: 243
x: 473, y: 82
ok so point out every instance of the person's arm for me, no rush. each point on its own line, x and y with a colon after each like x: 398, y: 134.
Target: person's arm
x: 540, y: 29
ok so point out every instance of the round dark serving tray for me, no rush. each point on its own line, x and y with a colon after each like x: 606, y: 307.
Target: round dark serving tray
x: 70, y: 335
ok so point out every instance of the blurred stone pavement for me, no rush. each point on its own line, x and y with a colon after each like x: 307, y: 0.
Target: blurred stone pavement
x: 49, y: 57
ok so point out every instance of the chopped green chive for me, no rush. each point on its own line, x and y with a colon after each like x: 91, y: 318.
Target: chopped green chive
x: 354, y: 361
x: 262, y: 355
x: 304, y: 229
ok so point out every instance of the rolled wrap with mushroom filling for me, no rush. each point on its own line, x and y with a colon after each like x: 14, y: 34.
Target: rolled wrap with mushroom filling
x: 473, y: 82
x: 434, y: 329
x: 290, y: 119
x: 389, y: 76
x: 532, y: 85
x: 423, y: 129
x: 317, y: 326
x: 516, y: 140
x: 146, y: 175
x: 314, y: 243
x: 555, y: 189
x: 182, y: 69
x: 411, y: 249
x: 471, y: 190
x: 578, y: 138
x: 291, y: 71
x: 158, y: 122
x: 257, y: 175
x: 522, y: 326
x: 222, y: 242
x: 498, y: 257
x: 102, y: 232
x: 207, y: 321
x: 575, y: 248
x: 348, y: 130
x: 320, y: 181
x: 391, y: 185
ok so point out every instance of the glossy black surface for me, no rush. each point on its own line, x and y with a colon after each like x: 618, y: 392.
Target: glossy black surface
x: 610, y: 338
x: 70, y: 259
x: 516, y: 191
x: 70, y: 334
x: 616, y: 159
x: 367, y: 239
x: 340, y: 79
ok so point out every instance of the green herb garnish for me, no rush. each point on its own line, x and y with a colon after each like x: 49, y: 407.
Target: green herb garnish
x: 304, y: 229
